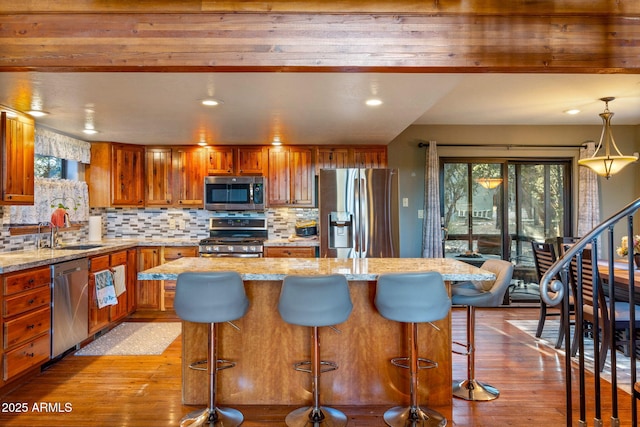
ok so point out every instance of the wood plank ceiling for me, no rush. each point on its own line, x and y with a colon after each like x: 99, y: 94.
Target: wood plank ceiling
x: 538, y: 36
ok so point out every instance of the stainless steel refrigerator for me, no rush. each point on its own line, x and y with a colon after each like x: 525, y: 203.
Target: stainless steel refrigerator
x: 358, y: 213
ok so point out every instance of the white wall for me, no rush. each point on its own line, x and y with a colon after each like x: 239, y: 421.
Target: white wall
x: 405, y: 155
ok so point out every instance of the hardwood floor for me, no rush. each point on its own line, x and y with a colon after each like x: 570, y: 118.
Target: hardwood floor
x: 146, y: 391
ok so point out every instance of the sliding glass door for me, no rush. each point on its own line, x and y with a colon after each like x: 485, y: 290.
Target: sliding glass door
x: 495, y: 208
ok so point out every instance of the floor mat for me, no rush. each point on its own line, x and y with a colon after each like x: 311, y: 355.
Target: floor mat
x: 134, y: 339
x: 549, y: 337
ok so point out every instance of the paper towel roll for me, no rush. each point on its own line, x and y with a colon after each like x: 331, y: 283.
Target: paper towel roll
x: 95, y: 228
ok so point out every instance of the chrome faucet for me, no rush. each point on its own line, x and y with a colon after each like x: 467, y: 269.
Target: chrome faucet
x: 45, y: 243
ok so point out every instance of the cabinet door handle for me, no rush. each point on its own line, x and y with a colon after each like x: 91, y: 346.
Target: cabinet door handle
x: 31, y: 301
x: 31, y: 326
x: 30, y: 354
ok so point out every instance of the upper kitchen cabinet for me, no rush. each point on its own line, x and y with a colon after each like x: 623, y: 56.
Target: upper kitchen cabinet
x: 291, y: 177
x: 158, y: 177
x: 190, y: 167
x: 116, y: 175
x: 219, y: 160
x: 332, y: 158
x: 249, y: 160
x: 17, y: 158
x: 370, y: 157
x: 351, y: 157
x: 252, y: 161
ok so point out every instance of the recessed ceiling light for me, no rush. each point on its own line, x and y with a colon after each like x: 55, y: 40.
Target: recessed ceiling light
x: 90, y: 131
x: 572, y: 111
x: 373, y: 102
x: 276, y: 141
x: 210, y: 102
x: 202, y: 143
x: 37, y: 113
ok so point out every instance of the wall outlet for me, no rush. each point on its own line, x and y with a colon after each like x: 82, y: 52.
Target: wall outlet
x: 172, y: 224
x: 405, y: 202
x: 182, y: 224
x: 420, y: 213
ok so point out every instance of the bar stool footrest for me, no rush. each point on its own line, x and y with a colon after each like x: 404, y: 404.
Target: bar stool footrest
x: 403, y: 362
x: 201, y: 365
x: 467, y: 348
x: 331, y: 366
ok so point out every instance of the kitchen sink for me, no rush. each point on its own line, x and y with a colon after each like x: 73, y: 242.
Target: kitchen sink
x: 79, y: 247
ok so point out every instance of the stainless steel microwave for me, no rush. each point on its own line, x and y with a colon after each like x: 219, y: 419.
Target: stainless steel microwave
x: 234, y: 193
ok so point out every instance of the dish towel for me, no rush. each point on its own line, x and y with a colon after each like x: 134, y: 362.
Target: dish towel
x: 105, y: 291
x: 118, y: 279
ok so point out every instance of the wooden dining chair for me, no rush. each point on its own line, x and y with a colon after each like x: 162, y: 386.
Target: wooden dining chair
x: 544, y: 256
x: 589, y: 280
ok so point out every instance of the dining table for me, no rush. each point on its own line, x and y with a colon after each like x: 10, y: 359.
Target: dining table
x: 621, y: 278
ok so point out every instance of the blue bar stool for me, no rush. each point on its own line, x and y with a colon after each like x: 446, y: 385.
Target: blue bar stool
x: 474, y: 295
x: 315, y: 301
x: 211, y: 298
x: 412, y: 298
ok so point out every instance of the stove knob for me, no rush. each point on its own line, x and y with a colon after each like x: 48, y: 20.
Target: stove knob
x: 245, y: 249
x: 230, y: 248
x: 215, y: 248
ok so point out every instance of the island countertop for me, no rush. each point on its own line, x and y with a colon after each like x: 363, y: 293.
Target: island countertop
x: 265, y: 269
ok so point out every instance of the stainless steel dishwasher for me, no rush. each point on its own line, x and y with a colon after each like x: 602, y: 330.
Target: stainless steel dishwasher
x: 70, y: 306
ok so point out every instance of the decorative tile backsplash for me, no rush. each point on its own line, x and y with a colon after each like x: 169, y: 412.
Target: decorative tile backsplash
x: 155, y: 223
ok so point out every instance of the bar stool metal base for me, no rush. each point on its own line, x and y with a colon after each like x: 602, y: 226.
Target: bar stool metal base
x: 219, y: 417
x: 474, y: 390
x: 312, y: 417
x: 403, y: 416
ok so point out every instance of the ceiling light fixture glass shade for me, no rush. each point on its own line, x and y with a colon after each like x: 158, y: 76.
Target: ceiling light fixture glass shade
x: 37, y: 113
x: 489, y: 183
x: 603, y: 162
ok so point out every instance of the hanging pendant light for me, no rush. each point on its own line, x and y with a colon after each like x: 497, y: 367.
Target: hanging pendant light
x: 605, y: 164
x: 489, y: 183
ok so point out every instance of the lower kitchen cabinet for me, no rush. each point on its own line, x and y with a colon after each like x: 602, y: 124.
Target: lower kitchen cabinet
x: 159, y: 294
x: 26, y: 321
x: 100, y: 318
x: 171, y: 253
x: 290, y: 251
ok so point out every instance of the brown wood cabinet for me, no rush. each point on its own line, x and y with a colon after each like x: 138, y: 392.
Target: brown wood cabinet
x: 220, y: 160
x: 189, y: 166
x: 290, y: 251
x: 148, y: 291
x: 171, y: 253
x: 351, y: 157
x: 372, y: 157
x: 26, y: 321
x: 291, y: 177
x: 252, y: 161
x: 158, y: 177
x: 17, y: 151
x: 116, y: 175
x: 100, y: 318
x: 159, y: 294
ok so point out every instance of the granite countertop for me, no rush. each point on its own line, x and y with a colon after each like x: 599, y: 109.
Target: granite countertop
x: 21, y: 260
x: 294, y: 241
x: 352, y: 268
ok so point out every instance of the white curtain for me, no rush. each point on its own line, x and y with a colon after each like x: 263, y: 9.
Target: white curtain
x: 74, y: 195
x: 588, y: 194
x: 49, y: 143
x: 432, y: 227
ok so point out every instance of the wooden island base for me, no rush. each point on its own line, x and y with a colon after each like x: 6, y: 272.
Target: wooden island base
x: 266, y: 347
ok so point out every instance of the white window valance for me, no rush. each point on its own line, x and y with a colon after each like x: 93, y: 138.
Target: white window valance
x: 49, y: 143
x: 48, y: 191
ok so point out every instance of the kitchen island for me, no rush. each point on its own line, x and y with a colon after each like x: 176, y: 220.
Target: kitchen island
x: 265, y: 347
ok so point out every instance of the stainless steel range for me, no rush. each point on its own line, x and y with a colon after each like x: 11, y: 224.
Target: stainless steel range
x: 235, y: 234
